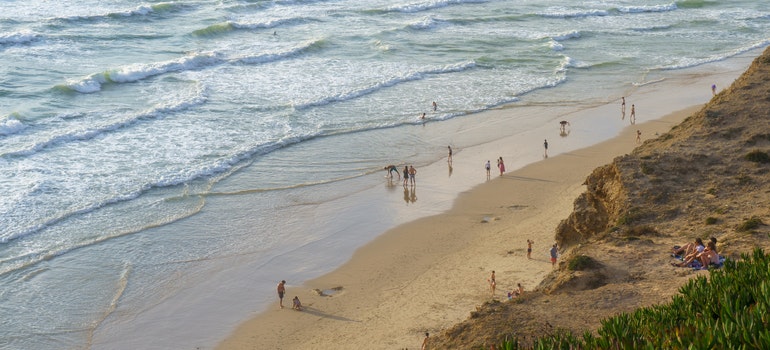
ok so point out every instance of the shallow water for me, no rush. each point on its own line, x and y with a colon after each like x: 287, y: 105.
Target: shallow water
x: 151, y: 154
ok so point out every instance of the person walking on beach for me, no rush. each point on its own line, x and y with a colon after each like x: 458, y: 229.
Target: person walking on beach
x: 545, y: 145
x: 554, y: 255
x: 425, y: 341
x: 281, y: 291
x: 391, y: 169
x: 638, y: 136
x: 529, y: 248
x: 563, y: 127
x: 632, y: 118
x: 623, y: 106
x: 487, y: 166
x: 501, y: 165
x: 412, y: 173
x: 492, y: 282
x: 449, y: 159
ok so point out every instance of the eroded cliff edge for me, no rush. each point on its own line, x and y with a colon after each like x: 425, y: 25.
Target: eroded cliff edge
x: 707, y: 177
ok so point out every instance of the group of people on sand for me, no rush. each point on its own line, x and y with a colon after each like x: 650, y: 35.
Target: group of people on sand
x: 409, y: 173
x: 516, y: 292
x: 296, y: 304
x: 697, y: 255
x: 632, y: 117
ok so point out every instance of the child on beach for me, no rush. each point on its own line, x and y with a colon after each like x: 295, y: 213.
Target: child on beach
x: 297, y: 305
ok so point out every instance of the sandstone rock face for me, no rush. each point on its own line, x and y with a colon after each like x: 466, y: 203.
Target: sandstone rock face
x: 597, y: 209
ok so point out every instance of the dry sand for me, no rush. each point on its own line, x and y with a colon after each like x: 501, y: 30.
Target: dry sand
x: 427, y: 275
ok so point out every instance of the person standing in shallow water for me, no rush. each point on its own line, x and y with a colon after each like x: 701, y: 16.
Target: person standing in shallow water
x: 501, y: 165
x: 545, y: 145
x: 623, y: 107
x: 412, y: 174
x: 488, y: 167
x: 406, y: 175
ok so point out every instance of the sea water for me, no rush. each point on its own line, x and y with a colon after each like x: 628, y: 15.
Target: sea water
x: 164, y: 164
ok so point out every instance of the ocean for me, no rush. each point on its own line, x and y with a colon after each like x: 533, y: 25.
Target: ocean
x: 164, y: 164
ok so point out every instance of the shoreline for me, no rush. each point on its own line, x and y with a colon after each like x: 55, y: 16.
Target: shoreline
x: 383, y: 300
x: 427, y: 275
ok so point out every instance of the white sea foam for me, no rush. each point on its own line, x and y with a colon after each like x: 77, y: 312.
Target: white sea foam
x: 426, y: 22
x: 95, y: 131
x: 561, y: 12
x: 280, y: 54
x: 94, y: 15
x: 573, y: 34
x: 10, y: 125
x: 652, y: 8
x: 21, y: 37
x: 555, y: 45
x: 429, y: 5
x: 136, y: 72
x: 410, y: 76
x: 693, y: 62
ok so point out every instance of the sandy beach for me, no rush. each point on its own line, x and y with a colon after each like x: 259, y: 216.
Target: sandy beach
x: 428, y: 275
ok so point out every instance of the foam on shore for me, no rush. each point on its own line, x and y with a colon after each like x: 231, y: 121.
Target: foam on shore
x: 428, y: 274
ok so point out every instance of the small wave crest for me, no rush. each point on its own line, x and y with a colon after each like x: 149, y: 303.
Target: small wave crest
x: 17, y: 38
x: 386, y: 83
x: 652, y: 8
x: 277, y: 55
x: 132, y: 73
x: 569, y: 62
x: 90, y: 133
x: 136, y: 72
x: 215, y: 29
x: 427, y: 22
x: 271, y: 23
x: 230, y: 26
x: 140, y: 10
x: 693, y: 62
x: 10, y: 125
x: 429, y: 5
x: 565, y: 13
x: 573, y: 34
